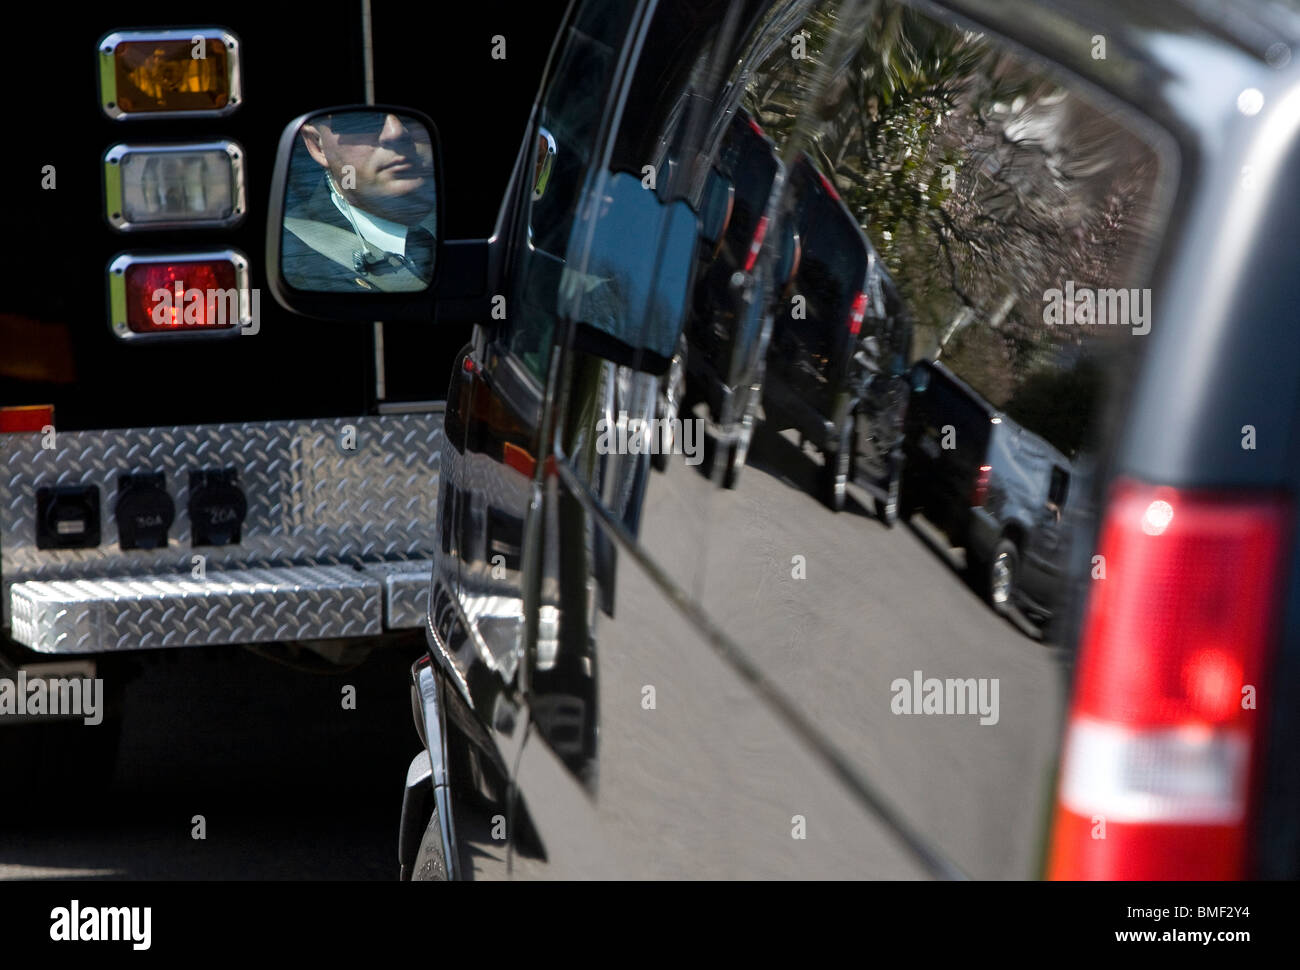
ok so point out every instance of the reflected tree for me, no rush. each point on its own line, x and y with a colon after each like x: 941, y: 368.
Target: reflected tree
x: 981, y: 182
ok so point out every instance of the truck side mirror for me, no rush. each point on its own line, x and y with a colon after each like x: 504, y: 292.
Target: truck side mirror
x: 355, y: 214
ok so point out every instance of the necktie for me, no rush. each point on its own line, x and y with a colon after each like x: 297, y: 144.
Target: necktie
x: 419, y: 253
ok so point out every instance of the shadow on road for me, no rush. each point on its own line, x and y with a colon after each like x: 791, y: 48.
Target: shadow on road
x: 289, y: 783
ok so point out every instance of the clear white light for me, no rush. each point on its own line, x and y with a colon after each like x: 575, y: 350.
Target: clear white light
x: 174, y: 186
x: 1157, y: 518
x: 1250, y: 101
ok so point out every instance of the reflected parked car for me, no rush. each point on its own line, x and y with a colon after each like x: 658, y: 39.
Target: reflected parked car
x: 731, y: 318
x: 992, y: 486
x: 838, y: 358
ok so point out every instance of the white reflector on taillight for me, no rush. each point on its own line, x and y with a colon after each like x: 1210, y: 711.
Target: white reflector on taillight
x: 1188, y: 775
x: 194, y: 186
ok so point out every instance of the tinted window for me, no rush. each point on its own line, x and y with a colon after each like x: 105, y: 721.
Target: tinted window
x: 571, y: 111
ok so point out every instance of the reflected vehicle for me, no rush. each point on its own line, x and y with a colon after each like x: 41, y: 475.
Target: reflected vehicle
x: 361, y: 209
x: 839, y: 350
x: 731, y: 317
x: 992, y: 486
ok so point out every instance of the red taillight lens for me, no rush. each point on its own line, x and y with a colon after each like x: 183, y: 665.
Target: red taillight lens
x: 980, y: 492
x: 1166, y: 726
x: 856, y: 313
x: 181, y: 296
x: 32, y: 417
x: 757, y: 129
x: 756, y: 245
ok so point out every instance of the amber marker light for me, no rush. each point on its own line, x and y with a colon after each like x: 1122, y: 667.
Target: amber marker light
x: 188, y: 72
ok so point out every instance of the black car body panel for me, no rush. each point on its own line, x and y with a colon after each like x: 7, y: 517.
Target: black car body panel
x: 665, y: 707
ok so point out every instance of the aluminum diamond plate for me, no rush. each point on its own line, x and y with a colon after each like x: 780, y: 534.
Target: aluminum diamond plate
x: 311, y: 500
x: 240, y: 606
x: 406, y: 591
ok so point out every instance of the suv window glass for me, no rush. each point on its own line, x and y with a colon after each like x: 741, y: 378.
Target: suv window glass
x: 986, y: 184
x: 571, y: 111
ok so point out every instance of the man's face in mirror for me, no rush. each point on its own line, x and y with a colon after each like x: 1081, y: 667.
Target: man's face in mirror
x: 379, y: 162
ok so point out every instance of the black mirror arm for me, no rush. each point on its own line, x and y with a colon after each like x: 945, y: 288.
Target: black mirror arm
x: 462, y: 290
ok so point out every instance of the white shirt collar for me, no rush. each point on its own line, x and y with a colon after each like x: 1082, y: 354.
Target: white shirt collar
x: 380, y: 234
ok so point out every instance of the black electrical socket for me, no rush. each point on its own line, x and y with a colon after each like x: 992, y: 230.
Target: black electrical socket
x: 67, y: 517
x: 144, y: 511
x: 217, y: 507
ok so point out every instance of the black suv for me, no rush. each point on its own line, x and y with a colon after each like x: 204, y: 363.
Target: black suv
x: 643, y: 675
x: 992, y: 486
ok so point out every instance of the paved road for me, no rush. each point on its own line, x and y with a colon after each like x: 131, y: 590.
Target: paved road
x: 877, y: 605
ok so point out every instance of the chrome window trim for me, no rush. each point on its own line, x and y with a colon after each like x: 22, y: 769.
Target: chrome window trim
x: 113, y: 185
x: 108, y: 76
x: 117, y: 294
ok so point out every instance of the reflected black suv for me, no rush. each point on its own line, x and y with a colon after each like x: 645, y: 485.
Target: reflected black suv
x: 840, y: 344
x: 992, y: 486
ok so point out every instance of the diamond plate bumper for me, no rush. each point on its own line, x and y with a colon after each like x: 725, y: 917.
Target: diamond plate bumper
x: 238, y: 606
x: 326, y: 492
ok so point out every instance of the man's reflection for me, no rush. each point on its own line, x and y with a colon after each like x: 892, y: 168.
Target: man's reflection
x: 370, y: 220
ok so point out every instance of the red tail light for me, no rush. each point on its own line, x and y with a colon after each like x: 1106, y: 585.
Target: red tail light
x: 856, y: 313
x: 1167, y: 721
x: 31, y: 417
x: 756, y: 245
x: 980, y: 492
x: 170, y: 297
x: 755, y: 126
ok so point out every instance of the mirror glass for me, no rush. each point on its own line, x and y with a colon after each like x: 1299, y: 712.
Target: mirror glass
x: 361, y: 208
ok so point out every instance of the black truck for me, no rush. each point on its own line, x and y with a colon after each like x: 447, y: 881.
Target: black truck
x: 208, y: 471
